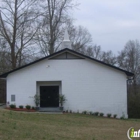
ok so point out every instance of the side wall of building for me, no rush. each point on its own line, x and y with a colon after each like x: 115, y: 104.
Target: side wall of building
x: 87, y: 85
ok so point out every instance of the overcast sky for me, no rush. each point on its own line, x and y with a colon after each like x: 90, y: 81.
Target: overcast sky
x: 111, y: 22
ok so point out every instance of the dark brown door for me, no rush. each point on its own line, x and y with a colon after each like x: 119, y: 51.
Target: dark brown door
x: 49, y: 96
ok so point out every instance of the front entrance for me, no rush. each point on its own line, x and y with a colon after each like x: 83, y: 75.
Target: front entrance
x: 49, y: 96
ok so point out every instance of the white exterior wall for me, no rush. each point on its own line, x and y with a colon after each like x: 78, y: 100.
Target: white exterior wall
x: 87, y: 85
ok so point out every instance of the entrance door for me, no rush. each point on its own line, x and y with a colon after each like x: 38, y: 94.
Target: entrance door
x: 49, y: 96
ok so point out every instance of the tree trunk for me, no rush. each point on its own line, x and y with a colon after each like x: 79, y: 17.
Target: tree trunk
x: 13, y: 59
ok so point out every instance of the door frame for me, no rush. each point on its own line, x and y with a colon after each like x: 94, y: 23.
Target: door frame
x: 48, y: 83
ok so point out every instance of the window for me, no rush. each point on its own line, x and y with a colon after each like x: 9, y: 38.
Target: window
x: 13, y: 98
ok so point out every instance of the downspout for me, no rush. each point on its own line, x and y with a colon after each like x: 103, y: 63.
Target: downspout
x: 127, y: 83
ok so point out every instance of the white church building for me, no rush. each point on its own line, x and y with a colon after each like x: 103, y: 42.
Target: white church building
x: 88, y: 84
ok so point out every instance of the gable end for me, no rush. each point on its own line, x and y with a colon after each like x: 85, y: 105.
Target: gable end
x: 68, y: 54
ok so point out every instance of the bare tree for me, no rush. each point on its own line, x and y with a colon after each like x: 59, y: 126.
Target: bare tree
x: 109, y: 58
x: 80, y: 38
x: 94, y: 51
x: 5, y: 64
x: 82, y: 42
x: 129, y: 59
x: 54, y: 16
x: 17, y: 27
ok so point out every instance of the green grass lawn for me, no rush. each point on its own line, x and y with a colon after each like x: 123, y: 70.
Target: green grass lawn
x: 40, y: 126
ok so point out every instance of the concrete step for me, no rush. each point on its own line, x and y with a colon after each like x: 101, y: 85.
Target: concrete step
x: 50, y: 109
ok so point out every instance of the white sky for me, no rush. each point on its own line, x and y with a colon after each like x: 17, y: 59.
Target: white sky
x: 111, y: 22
